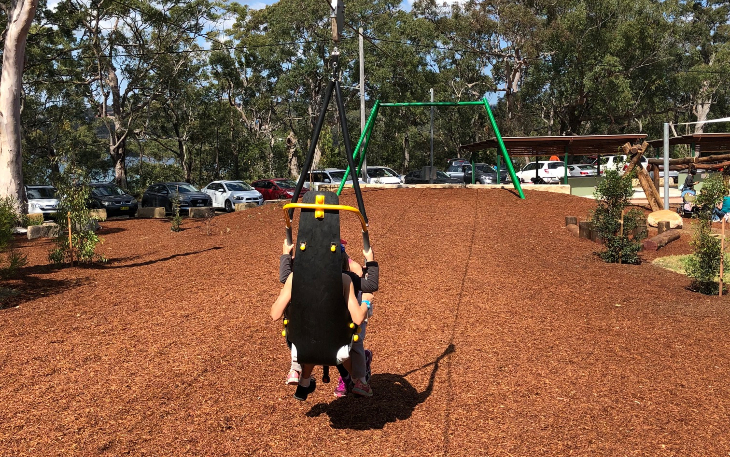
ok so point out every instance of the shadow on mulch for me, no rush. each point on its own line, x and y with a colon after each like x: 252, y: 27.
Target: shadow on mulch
x: 28, y: 287
x: 394, y: 399
x: 111, y: 263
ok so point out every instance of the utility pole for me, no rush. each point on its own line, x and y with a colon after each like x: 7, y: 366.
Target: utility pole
x: 364, y: 171
x: 431, y: 173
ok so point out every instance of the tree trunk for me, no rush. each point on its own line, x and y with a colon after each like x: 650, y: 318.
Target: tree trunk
x: 20, y: 17
x: 291, y: 153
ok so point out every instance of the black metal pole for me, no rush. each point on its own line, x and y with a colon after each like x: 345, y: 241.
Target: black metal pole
x: 348, y: 150
x: 312, y: 145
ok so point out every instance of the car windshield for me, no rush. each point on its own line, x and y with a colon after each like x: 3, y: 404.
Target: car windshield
x: 106, y: 191
x: 453, y: 168
x: 382, y: 173
x: 183, y: 188
x: 286, y: 184
x: 337, y: 175
x: 237, y: 186
x: 42, y: 192
x: 483, y: 167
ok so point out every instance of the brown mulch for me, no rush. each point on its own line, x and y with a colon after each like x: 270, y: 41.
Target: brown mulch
x: 495, y: 332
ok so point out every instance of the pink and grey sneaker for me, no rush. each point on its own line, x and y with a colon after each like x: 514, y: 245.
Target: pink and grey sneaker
x: 292, y: 378
x: 342, y: 387
x: 362, y: 389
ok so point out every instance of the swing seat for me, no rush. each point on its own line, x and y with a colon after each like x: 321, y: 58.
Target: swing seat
x: 318, y: 318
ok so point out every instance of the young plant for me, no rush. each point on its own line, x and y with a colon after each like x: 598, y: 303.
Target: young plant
x: 621, y: 231
x: 73, y: 212
x: 176, y: 217
x: 704, y: 265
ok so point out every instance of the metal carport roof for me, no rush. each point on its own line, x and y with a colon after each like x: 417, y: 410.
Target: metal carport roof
x: 558, y: 145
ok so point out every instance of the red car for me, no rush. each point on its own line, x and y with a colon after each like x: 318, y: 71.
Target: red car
x: 277, y: 188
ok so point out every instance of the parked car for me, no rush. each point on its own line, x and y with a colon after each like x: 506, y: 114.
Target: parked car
x: 162, y: 194
x: 277, y: 188
x: 328, y: 176
x: 454, y: 169
x: 582, y: 169
x: 616, y: 162
x: 383, y: 175
x: 41, y: 200
x: 113, y: 199
x: 226, y: 194
x: 419, y: 177
x: 548, y: 171
x: 485, y: 174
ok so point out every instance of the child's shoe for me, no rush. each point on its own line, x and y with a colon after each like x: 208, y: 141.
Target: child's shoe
x: 303, y: 392
x: 362, y: 389
x: 342, y: 387
x: 292, y: 379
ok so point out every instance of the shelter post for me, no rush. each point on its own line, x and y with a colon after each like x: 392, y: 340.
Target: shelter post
x: 666, y: 165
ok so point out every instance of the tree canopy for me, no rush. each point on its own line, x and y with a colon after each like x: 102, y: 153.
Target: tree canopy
x: 195, y: 90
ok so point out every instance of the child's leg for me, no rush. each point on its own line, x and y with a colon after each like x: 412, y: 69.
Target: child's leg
x: 306, y: 385
x: 295, y: 369
x: 357, y: 355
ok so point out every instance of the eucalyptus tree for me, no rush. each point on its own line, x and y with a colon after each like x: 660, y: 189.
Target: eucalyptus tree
x: 18, y: 16
x: 123, y: 44
x: 273, y: 73
x: 703, y: 57
x: 57, y: 124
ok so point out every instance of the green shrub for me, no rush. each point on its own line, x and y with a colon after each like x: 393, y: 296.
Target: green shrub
x: 620, y: 231
x: 74, y: 195
x: 703, y: 266
x: 10, y: 218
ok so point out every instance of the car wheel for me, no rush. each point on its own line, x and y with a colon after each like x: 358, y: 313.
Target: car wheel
x: 229, y: 206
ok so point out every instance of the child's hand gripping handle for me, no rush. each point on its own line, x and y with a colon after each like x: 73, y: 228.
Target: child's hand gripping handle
x: 365, y: 241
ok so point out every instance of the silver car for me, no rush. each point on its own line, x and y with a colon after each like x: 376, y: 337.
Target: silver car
x: 41, y: 199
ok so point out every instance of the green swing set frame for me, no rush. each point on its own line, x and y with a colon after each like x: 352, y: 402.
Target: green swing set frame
x: 360, y: 150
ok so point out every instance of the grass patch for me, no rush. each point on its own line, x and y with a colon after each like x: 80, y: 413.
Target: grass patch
x: 673, y: 263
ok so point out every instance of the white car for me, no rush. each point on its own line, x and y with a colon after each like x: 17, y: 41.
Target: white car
x: 549, y: 171
x: 582, y: 169
x: 226, y: 194
x: 328, y: 176
x: 384, y: 175
x: 41, y: 199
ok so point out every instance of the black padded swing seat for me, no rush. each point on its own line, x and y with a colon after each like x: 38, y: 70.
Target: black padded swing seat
x: 318, y: 318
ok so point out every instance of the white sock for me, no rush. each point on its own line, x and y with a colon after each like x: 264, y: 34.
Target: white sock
x: 304, y: 382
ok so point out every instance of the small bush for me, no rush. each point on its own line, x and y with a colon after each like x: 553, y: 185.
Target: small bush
x: 704, y: 265
x: 74, y: 195
x: 620, y: 231
x: 9, y: 219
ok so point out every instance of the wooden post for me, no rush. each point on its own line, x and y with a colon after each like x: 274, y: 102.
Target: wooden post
x: 70, y: 240
x: 662, y: 226
x: 722, y: 252
x: 571, y: 220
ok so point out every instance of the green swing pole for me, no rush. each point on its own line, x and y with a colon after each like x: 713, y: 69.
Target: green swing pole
x: 503, y: 149
x: 365, y: 133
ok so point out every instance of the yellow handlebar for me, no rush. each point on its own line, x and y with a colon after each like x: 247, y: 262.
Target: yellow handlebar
x: 323, y: 207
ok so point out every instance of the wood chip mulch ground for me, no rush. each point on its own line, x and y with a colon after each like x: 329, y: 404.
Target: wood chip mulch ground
x: 495, y: 332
